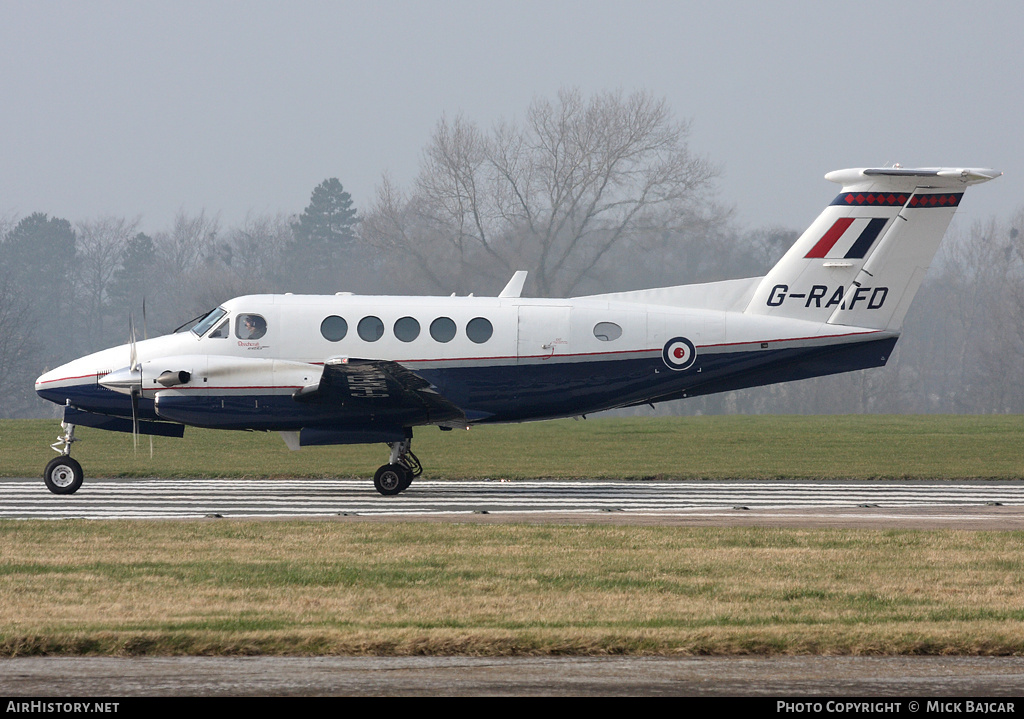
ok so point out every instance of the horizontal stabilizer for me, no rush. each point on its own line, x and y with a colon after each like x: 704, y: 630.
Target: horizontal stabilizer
x: 862, y: 260
x: 949, y: 177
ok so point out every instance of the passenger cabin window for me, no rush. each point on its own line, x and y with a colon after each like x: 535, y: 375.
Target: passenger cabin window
x: 443, y: 329
x: 607, y: 331
x: 334, y: 328
x: 479, y: 330
x: 370, y: 328
x: 250, y: 327
x: 407, y: 329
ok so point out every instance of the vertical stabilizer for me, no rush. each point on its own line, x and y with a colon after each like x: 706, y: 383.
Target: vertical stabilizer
x: 862, y: 260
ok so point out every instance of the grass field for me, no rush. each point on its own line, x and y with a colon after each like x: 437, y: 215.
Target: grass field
x: 240, y: 587
x: 854, y: 446
x: 361, y: 587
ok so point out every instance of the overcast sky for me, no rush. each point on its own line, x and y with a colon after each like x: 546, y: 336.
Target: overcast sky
x: 145, y: 108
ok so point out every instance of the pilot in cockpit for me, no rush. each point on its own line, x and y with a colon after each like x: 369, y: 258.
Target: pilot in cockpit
x: 254, y: 327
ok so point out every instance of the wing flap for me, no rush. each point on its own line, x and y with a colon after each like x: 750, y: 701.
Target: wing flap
x: 380, y: 385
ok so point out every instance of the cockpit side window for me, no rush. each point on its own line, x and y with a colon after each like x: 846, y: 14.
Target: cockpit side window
x: 222, y: 331
x: 250, y: 327
x: 201, y: 327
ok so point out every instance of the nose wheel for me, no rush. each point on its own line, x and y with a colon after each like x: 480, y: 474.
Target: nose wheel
x: 63, y: 475
x: 396, y: 476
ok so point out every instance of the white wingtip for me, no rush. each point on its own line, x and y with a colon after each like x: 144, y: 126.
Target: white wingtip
x: 971, y: 175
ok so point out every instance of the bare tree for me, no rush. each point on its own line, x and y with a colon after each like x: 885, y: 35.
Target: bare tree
x: 7, y: 223
x: 192, y: 239
x: 186, y: 254
x: 247, y: 261
x: 257, y: 246
x: 965, y: 345
x: 100, y: 245
x: 559, y: 195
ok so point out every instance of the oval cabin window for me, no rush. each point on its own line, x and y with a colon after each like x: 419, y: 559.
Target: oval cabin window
x: 370, y: 328
x: 442, y: 329
x: 407, y: 329
x: 479, y: 330
x: 607, y: 331
x: 334, y: 328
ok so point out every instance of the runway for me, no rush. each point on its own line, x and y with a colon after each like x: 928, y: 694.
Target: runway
x: 770, y: 678
x: 967, y: 504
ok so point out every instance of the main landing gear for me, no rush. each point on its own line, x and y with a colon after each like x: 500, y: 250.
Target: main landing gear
x: 63, y: 475
x: 396, y: 476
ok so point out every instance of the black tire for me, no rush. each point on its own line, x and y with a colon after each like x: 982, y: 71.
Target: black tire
x: 409, y: 477
x: 63, y: 475
x: 391, y: 479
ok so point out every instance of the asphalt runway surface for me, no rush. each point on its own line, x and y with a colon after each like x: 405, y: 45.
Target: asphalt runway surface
x: 915, y: 504
x: 973, y: 505
x: 775, y: 677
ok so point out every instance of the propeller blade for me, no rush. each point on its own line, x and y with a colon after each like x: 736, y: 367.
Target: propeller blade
x: 135, y: 418
x: 133, y: 366
x: 131, y: 340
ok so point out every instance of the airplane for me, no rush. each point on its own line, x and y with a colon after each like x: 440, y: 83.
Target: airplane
x: 350, y: 369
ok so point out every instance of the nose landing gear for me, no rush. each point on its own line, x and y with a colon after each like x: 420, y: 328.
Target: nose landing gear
x: 396, y: 476
x: 63, y: 475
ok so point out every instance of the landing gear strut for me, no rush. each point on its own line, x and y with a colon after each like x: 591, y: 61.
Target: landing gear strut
x: 396, y: 476
x: 63, y: 475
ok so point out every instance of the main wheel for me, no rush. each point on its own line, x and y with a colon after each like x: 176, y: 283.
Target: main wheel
x: 390, y: 479
x: 409, y: 477
x: 63, y: 475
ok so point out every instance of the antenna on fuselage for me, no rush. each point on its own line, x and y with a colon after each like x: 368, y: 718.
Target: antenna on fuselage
x: 514, y: 288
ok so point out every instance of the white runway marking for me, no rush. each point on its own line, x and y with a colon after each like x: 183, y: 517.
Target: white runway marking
x: 191, y: 498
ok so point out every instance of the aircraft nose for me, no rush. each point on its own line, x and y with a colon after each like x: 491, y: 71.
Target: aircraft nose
x: 77, y: 382
x: 54, y: 385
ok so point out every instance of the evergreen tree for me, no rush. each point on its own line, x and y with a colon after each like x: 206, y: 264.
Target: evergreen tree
x: 324, y: 236
x: 133, y: 279
x: 39, y: 257
x: 40, y: 252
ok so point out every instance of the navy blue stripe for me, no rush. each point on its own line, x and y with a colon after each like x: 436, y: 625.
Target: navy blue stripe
x: 866, y: 239
x: 507, y: 393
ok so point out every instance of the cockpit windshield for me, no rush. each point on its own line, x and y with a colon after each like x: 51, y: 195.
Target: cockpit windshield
x: 184, y: 327
x: 202, y: 326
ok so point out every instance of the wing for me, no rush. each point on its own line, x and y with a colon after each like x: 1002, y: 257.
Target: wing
x: 380, y: 386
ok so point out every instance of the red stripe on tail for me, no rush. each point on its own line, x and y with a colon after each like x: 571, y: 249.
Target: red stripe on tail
x: 830, y: 238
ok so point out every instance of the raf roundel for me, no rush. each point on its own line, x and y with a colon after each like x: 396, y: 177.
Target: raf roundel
x: 679, y: 353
